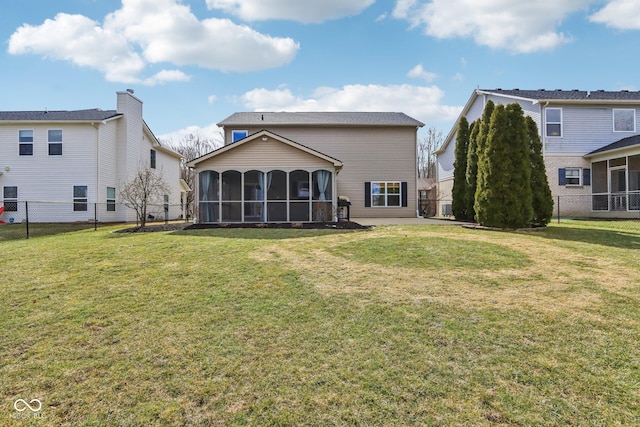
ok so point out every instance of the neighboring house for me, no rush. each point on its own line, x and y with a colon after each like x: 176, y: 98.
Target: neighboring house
x: 590, y: 143
x: 292, y: 167
x: 70, y: 165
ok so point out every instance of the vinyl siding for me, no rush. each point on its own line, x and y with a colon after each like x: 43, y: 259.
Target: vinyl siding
x: 368, y: 154
x: 585, y: 129
x: 264, y: 155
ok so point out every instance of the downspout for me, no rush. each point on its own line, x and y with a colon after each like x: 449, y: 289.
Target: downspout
x: 542, y: 127
x: 415, y: 177
x: 97, y: 190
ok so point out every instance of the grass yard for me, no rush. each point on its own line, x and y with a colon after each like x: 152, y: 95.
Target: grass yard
x: 404, y: 325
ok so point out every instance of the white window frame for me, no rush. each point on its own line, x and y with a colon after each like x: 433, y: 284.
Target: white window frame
x: 386, y: 194
x: 111, y: 201
x: 567, y: 177
x: 613, y: 117
x: 51, y: 142
x: 547, y: 123
x: 81, y: 204
x: 21, y: 142
x: 10, y: 203
x: 239, y: 132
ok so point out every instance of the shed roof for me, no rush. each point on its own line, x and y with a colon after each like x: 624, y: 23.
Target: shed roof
x: 618, y: 145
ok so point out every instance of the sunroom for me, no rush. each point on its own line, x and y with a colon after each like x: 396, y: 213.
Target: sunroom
x: 615, y: 171
x: 266, y: 178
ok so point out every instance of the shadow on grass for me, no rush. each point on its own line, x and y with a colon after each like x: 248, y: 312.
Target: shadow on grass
x: 261, y: 233
x: 586, y: 233
x: 19, y: 231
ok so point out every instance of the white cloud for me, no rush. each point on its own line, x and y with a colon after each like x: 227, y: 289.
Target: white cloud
x: 293, y: 10
x: 208, y: 132
x: 166, y: 76
x: 458, y: 77
x: 515, y: 25
x: 145, y: 32
x: 620, y: 14
x: 420, y: 102
x: 419, y: 72
x: 212, y: 99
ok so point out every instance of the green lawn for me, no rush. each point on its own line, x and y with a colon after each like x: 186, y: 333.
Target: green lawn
x: 411, y: 325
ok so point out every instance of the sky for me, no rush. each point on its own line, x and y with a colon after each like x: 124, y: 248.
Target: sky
x: 195, y: 62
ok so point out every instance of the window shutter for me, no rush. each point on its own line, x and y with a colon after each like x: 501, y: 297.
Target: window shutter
x: 562, y: 179
x: 403, y: 194
x: 367, y: 194
x: 586, y: 176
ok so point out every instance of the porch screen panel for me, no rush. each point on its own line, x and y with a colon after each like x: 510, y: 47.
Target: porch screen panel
x: 299, y: 195
x: 600, y: 186
x: 634, y: 183
x: 276, y: 189
x: 231, y: 196
x: 254, y: 196
x: 208, y: 196
x: 322, y: 209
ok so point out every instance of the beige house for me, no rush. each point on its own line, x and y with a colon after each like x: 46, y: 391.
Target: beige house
x: 293, y: 167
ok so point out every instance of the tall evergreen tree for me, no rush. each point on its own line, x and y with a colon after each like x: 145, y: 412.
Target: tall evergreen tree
x: 541, y: 198
x: 458, y: 204
x: 472, y: 167
x: 503, y: 196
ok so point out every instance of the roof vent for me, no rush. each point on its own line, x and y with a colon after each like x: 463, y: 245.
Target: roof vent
x: 600, y: 90
x: 625, y: 90
x: 130, y: 91
x: 516, y: 89
x: 558, y: 90
x: 542, y: 90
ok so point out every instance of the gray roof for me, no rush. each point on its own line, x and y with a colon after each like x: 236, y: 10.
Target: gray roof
x: 572, y: 95
x: 62, y: 116
x: 320, y: 119
x: 623, y: 143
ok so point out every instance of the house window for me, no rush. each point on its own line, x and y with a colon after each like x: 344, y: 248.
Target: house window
x: 10, y: 195
x: 111, y: 199
x: 55, y: 142
x: 152, y: 159
x: 624, y: 120
x: 80, y: 198
x: 237, y: 135
x: 25, y: 140
x: 574, y: 176
x: 385, y: 194
x: 553, y: 118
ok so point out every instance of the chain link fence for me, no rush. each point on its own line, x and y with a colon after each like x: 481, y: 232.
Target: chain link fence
x: 25, y: 219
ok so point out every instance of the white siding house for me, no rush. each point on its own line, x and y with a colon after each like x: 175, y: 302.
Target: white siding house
x: 70, y: 165
x: 590, y: 147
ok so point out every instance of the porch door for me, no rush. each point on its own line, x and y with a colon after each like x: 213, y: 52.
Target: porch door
x: 618, y: 189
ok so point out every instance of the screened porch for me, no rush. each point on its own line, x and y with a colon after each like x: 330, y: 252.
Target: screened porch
x: 277, y: 195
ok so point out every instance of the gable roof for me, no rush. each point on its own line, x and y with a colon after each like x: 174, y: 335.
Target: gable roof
x: 618, y: 145
x: 542, y: 95
x: 320, y: 119
x: 336, y: 163
x: 95, y: 114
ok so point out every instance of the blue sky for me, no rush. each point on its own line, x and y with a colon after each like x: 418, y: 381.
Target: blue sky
x: 195, y: 62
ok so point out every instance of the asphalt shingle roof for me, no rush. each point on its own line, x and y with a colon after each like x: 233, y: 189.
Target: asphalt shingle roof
x: 77, y: 115
x: 320, y: 119
x: 559, y: 94
x: 623, y: 143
